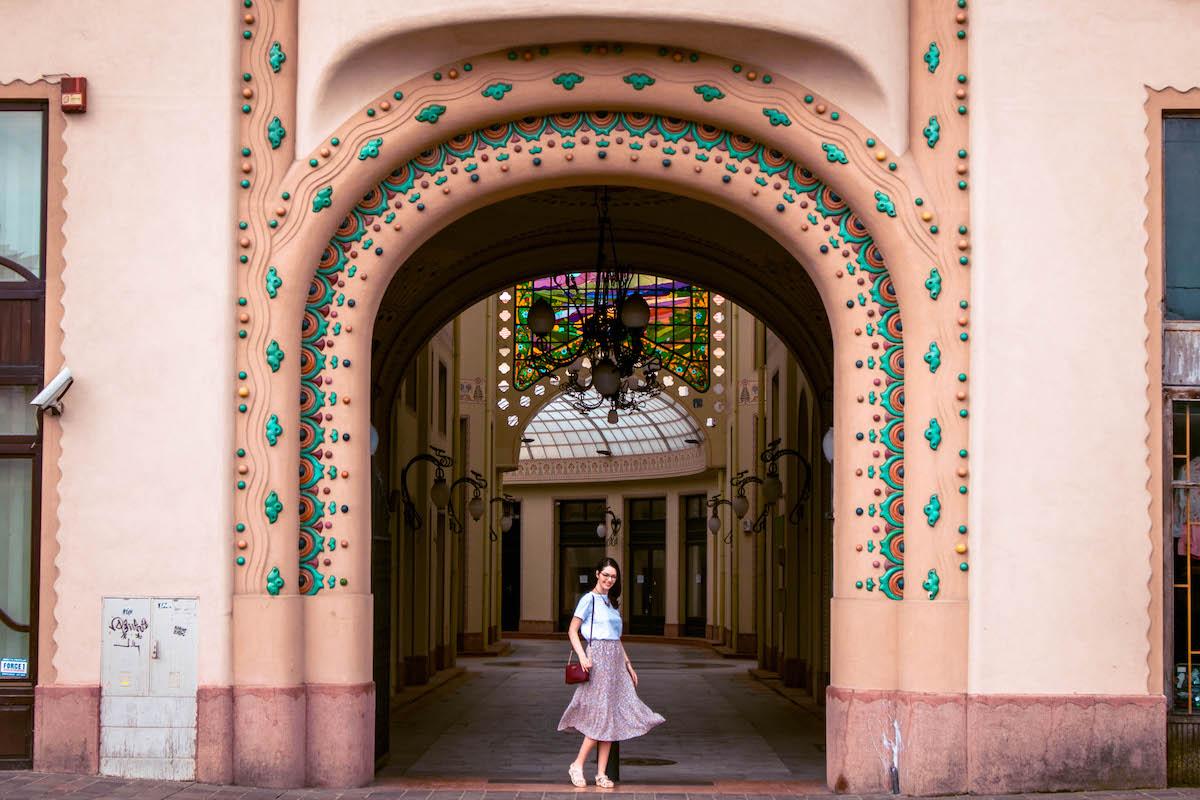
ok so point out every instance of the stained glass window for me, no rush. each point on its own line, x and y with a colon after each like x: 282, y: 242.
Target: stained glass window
x: 677, y: 334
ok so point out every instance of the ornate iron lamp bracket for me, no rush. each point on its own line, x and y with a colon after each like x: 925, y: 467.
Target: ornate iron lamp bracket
x: 441, y: 461
x: 770, y: 456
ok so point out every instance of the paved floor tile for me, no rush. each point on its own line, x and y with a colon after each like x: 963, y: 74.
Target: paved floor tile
x: 500, y: 722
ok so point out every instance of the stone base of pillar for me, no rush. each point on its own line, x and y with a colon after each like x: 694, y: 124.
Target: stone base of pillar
x: 214, y: 734
x: 993, y: 744
x: 416, y: 670
x: 269, y: 735
x: 341, y: 735
x: 933, y: 752
x: 794, y: 672
x: 1054, y: 743
x: 66, y: 729
x: 536, y: 626
x: 855, y: 723
x: 470, y: 643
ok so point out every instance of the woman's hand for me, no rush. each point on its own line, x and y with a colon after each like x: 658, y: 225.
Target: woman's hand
x: 585, y: 662
x: 632, y: 674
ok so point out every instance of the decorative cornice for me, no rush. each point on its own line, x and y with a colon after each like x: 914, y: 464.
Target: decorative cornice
x: 674, y: 464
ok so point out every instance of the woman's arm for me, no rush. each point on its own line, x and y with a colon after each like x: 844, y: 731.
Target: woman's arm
x: 576, y: 644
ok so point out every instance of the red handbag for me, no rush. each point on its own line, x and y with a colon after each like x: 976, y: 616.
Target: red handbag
x: 575, y: 672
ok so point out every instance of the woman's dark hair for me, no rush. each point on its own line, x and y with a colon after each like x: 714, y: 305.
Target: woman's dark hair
x: 614, y: 594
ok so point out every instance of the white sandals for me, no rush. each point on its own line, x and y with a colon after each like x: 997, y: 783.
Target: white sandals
x: 603, y: 781
x: 576, y: 773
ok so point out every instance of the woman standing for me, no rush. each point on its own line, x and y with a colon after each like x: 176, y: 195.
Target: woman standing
x: 606, y: 707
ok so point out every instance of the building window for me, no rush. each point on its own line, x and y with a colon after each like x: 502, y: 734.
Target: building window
x: 22, y: 194
x: 1181, y: 215
x: 22, y: 324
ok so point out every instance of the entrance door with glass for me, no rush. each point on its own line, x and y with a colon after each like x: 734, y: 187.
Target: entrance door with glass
x: 646, y: 582
x: 579, y: 551
x: 695, y: 565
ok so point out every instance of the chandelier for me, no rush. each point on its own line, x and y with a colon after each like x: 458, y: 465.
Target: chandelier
x: 610, y: 366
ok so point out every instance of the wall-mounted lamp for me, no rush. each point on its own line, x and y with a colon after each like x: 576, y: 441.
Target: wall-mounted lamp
x: 475, y: 506
x: 714, y: 521
x: 506, y: 517
x: 772, y: 486
x: 610, y: 527
x: 439, y: 493
x: 740, y: 502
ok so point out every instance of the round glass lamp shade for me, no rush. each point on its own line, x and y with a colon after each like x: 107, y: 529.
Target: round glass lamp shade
x: 541, y: 317
x: 601, y: 531
x: 772, y: 489
x: 506, y: 523
x: 635, y: 313
x: 714, y: 523
x: 439, y: 493
x: 606, y: 378
x: 741, y: 504
x: 475, y: 508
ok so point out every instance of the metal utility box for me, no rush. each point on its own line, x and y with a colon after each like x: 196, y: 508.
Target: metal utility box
x: 149, y: 649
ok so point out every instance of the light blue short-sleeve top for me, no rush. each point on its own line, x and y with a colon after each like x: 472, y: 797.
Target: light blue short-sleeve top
x: 607, y: 624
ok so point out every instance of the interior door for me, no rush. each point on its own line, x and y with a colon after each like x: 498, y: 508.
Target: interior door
x: 647, y: 587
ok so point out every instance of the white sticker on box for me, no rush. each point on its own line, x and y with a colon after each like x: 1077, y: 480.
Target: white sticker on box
x: 14, y: 668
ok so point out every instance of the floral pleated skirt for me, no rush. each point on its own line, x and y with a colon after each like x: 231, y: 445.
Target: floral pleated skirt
x: 606, y: 707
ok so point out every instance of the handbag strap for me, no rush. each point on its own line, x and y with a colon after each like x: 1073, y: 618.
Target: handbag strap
x: 591, y: 629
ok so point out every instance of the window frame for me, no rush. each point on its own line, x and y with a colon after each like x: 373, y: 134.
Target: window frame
x: 1170, y: 114
x: 32, y: 372
x: 28, y: 447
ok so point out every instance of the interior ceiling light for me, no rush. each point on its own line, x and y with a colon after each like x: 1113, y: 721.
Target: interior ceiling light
x: 611, y: 359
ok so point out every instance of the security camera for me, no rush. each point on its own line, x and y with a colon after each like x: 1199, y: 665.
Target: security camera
x: 49, y: 400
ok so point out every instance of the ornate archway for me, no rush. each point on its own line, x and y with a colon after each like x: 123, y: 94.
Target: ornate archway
x: 322, y: 236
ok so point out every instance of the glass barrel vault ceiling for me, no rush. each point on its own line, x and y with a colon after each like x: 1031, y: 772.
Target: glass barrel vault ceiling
x: 559, y: 431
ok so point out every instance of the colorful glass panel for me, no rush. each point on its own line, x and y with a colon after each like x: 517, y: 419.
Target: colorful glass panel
x: 677, y: 334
